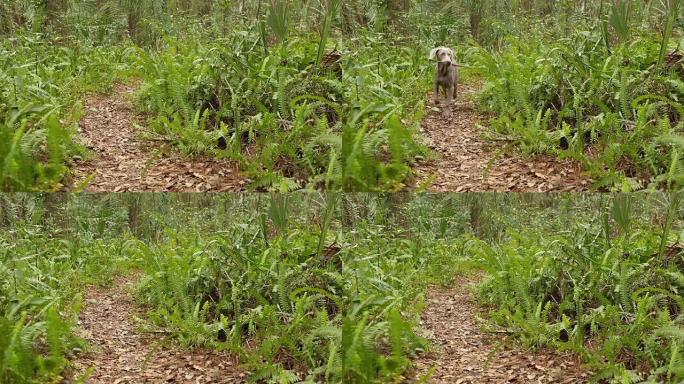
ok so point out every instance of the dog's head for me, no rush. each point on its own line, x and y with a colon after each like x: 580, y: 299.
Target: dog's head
x: 443, y: 55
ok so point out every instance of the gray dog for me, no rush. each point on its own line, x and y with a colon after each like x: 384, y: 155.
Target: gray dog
x: 446, y: 76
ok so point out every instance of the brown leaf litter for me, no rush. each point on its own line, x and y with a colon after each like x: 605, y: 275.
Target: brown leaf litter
x: 468, y: 163
x: 123, y: 355
x: 123, y: 162
x: 465, y: 354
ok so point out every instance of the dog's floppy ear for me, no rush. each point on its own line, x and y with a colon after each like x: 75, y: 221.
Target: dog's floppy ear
x: 433, y: 53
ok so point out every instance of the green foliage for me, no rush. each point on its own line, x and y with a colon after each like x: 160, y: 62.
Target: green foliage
x: 42, y: 276
x: 578, y: 98
x: 274, y: 117
x: 286, y: 118
x: 608, y: 298
x: 20, y: 170
x: 19, y: 362
x: 386, y: 95
x: 41, y: 86
x: 331, y: 287
x: 291, y: 309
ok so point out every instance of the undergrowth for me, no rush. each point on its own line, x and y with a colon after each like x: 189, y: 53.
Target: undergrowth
x: 43, y: 274
x: 292, y: 119
x: 273, y: 112
x: 43, y: 81
x: 608, y: 288
x: 616, y: 108
x: 293, y: 309
x: 330, y: 288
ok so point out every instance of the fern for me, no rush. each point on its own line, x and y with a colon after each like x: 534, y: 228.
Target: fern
x: 624, y: 98
x: 625, y: 289
x: 283, y: 102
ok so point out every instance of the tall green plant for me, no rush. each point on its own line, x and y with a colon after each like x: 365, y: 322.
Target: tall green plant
x: 279, y: 19
x: 671, y: 15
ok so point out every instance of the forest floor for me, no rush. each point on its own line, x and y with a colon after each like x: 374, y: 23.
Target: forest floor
x: 122, y: 161
x: 464, y: 353
x: 122, y: 354
x: 468, y: 163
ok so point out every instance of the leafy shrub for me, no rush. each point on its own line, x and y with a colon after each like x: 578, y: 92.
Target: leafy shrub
x: 609, y: 107
x: 387, y: 99
x: 284, y: 118
x: 42, y: 82
x: 271, y: 111
x: 610, y: 293
x: 290, y: 314
x: 41, y: 284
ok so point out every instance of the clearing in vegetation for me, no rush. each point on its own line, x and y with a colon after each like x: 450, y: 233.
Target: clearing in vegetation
x: 468, y: 163
x: 123, y: 354
x: 355, y: 288
x: 332, y: 94
x: 123, y: 162
x: 465, y: 354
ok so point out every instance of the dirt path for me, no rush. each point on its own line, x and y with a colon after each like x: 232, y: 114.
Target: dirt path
x: 466, y: 354
x: 468, y: 163
x: 123, y: 355
x: 123, y: 162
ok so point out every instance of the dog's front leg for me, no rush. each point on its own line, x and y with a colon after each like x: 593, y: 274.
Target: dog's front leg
x: 449, y: 96
x: 436, y: 92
